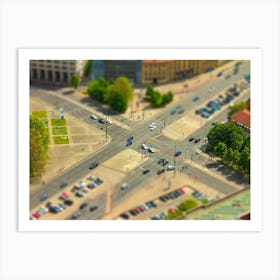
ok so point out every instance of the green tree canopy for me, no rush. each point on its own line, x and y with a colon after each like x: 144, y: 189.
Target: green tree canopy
x: 156, y: 98
x: 220, y: 150
x: 87, y: 68
x: 188, y: 204
x: 38, y: 147
x: 75, y: 81
x: 117, y: 100
x: 244, y: 160
x: 97, y: 88
x: 237, y: 107
x: 123, y: 85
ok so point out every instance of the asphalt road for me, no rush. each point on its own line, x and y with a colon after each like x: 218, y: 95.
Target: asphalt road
x: 141, y: 134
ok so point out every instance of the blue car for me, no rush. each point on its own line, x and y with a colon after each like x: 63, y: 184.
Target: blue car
x: 178, y: 153
x: 128, y: 143
x: 196, y: 98
x: 219, y: 74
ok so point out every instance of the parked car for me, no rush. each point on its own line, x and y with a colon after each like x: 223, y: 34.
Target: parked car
x: 124, y: 186
x: 124, y: 216
x: 130, y: 138
x: 43, y: 197
x: 128, y: 143
x: 94, y: 117
x: 163, y: 198
x: 92, y: 185
x: 170, y: 167
x: 93, y: 208
x: 98, y: 181
x: 173, y: 111
x: 133, y: 212
x: 79, y: 194
x: 91, y: 178
x: 68, y: 202
x: 160, y: 171
x: 197, y: 140
x: 36, y: 215
x: 83, y: 205
x: 181, y: 111
x: 151, y: 150
x: 63, y: 184
x: 76, y: 215
x: 144, y: 147
x: 191, y: 139
x: 178, y: 153
x: 103, y: 121
x: 93, y: 165
x: 196, y: 98
x: 145, y: 171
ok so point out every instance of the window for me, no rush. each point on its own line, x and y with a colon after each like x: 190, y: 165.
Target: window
x: 57, y: 76
x: 42, y: 74
x: 65, y: 77
x: 34, y: 74
x: 50, y: 75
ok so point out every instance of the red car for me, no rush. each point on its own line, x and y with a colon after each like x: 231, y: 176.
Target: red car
x: 138, y: 210
x: 181, y: 190
x: 36, y: 215
x: 66, y: 195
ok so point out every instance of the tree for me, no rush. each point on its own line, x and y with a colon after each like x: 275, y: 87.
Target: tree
x: 244, y: 160
x: 123, y: 85
x: 220, y: 150
x: 237, y: 107
x: 97, y: 88
x: 75, y: 81
x: 188, y: 204
x: 167, y: 98
x: 232, y: 155
x: 117, y: 100
x: 39, y: 140
x: 87, y: 68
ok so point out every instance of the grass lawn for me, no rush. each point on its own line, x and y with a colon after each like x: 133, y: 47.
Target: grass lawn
x: 61, y: 140
x: 39, y: 114
x: 59, y: 130
x: 58, y: 122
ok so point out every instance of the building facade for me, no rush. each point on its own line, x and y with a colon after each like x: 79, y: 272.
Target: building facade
x: 112, y: 69
x: 55, y: 71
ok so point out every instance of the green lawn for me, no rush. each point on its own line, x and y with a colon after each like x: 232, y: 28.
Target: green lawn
x: 40, y: 114
x: 61, y: 140
x: 58, y: 122
x: 59, y: 130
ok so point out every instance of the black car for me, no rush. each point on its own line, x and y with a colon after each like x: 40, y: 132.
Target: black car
x: 102, y: 121
x: 191, y: 139
x: 160, y: 171
x: 93, y: 208
x: 163, y: 198
x: 68, y: 202
x: 124, y: 216
x: 49, y: 204
x: 133, y: 212
x: 79, y: 194
x: 98, y: 181
x: 130, y: 138
x: 83, y: 205
x: 93, y: 165
x: 146, y: 171
x: 196, y: 140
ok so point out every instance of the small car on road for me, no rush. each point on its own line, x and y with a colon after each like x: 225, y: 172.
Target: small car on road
x: 178, y: 153
x: 93, y: 165
x: 145, y: 171
x: 94, y: 117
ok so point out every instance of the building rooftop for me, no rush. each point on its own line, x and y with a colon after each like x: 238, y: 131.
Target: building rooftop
x: 242, y: 117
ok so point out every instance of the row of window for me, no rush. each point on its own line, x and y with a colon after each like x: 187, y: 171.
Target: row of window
x: 51, y: 76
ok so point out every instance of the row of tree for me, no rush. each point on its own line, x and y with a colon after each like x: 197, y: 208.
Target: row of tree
x: 157, y: 99
x: 231, y: 143
x: 39, y: 143
x: 116, y: 93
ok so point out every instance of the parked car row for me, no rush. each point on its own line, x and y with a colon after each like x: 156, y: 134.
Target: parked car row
x: 198, y: 195
x: 152, y: 204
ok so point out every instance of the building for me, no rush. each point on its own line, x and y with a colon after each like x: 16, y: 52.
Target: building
x: 242, y: 118
x: 162, y: 71
x: 112, y: 69
x: 55, y: 71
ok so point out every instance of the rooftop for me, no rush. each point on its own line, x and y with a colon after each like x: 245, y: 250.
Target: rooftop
x: 242, y: 117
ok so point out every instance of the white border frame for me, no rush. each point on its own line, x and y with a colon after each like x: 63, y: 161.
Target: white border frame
x: 254, y: 55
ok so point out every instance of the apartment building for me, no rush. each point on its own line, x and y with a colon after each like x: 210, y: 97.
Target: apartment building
x: 57, y: 72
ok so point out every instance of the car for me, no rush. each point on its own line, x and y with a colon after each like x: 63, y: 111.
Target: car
x: 162, y: 215
x: 152, y: 128
x: 93, y: 165
x: 196, y: 98
x: 103, y: 121
x: 196, y: 194
x: 92, y: 185
x: 219, y: 74
x: 49, y: 204
x: 138, y: 210
x: 55, y: 209
x: 181, y: 190
x: 155, y: 218
x: 227, y: 77
x: 170, y: 167
x: 65, y: 194
x: 76, y: 215
x: 172, y: 195
x: 130, y: 138
x: 173, y: 111
x: 196, y: 140
x: 93, y: 208
x: 165, y: 162
x: 68, y: 202
x: 124, y: 186
x: 214, y: 123
x: 160, y: 171
x: 98, y: 181
x: 163, y: 198
x: 133, y: 212
x: 144, y: 147
x: 94, y: 117
x: 62, y: 206
x: 181, y: 111
x: 79, y: 194
x: 63, y: 184
x: 151, y: 150
x: 178, y: 153
x: 42, y: 211
x: 128, y: 143
x: 142, y: 207
x: 160, y: 161
x: 145, y: 171
x: 43, y: 197
x: 153, y: 204
x: 152, y: 124
x: 191, y: 139
x: 83, y: 205
x: 36, y: 215
x: 91, y: 178
x: 124, y: 216
x: 84, y: 189
x: 32, y: 218
x: 178, y: 192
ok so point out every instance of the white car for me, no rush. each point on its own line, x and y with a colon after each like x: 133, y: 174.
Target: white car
x: 94, y: 117
x: 91, y: 178
x: 144, y: 146
x: 153, y: 128
x: 124, y: 186
x: 82, y: 183
x: 151, y: 150
x: 170, y: 167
